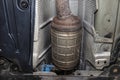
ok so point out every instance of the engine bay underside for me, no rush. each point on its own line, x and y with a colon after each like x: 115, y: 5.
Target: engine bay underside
x: 54, y: 39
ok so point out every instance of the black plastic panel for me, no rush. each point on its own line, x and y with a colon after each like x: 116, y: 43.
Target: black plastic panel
x: 16, y: 32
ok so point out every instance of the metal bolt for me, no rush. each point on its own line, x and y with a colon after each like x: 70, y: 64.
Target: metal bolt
x: 24, y: 4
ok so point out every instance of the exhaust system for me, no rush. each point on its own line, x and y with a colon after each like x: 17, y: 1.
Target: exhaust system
x: 66, y: 34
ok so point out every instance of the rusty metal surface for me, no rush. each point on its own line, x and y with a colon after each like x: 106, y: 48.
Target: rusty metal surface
x: 49, y: 77
x: 66, y: 37
x: 62, y: 8
x: 65, y: 49
x: 72, y: 23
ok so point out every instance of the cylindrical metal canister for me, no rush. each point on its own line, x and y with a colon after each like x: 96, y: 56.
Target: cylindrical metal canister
x: 66, y: 37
